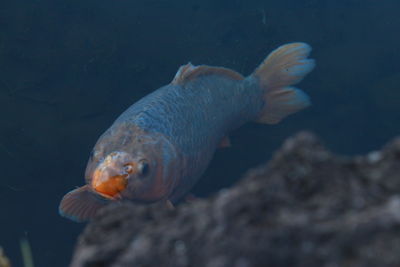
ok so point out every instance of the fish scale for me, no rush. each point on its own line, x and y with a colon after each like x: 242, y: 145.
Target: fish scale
x: 195, y: 117
x: 162, y: 144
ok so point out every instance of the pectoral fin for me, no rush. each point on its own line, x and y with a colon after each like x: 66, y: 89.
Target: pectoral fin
x: 169, y: 205
x: 81, y: 204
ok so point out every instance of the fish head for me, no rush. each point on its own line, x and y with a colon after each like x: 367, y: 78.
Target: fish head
x: 143, y: 169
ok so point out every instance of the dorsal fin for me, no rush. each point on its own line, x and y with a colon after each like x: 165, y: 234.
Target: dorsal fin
x: 189, y: 72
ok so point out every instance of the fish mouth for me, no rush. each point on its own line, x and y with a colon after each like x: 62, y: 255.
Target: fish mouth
x: 110, y: 177
x: 111, y: 187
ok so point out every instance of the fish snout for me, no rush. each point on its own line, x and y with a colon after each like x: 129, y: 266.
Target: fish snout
x: 109, y: 182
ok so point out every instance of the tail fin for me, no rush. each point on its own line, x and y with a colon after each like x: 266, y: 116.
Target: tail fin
x: 285, y: 66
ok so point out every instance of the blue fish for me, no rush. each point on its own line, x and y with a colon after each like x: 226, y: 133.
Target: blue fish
x: 161, y: 145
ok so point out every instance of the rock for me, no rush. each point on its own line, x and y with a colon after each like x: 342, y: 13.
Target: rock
x: 306, y: 207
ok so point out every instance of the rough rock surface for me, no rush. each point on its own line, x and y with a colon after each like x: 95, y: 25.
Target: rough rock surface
x: 306, y: 207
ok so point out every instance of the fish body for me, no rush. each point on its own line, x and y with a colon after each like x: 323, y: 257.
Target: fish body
x: 161, y: 145
x: 194, y: 117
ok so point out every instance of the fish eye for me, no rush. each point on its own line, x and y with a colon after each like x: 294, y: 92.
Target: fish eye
x: 143, y: 167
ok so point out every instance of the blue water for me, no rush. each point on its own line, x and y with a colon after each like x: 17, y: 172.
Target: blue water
x: 69, y: 68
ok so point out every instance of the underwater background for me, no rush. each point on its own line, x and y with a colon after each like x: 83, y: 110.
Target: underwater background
x: 69, y: 68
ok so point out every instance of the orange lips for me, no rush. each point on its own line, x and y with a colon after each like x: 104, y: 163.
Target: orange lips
x: 111, y: 187
x: 110, y: 177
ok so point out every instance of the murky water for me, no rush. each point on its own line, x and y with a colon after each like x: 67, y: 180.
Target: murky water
x: 69, y: 68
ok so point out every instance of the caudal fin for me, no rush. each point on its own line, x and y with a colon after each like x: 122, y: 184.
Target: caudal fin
x: 285, y: 66
x: 81, y: 204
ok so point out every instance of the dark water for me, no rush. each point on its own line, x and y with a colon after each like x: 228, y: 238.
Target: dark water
x: 69, y: 68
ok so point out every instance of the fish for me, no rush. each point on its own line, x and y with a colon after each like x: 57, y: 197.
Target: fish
x: 158, y: 149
